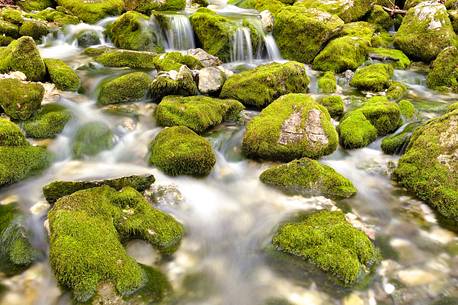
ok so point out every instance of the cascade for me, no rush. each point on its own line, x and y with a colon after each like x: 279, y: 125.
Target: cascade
x: 179, y: 33
x: 242, y: 50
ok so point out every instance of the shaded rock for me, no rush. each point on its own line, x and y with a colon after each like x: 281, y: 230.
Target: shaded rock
x: 34, y: 28
x: 87, y: 38
x: 92, y: 138
x: 444, y: 73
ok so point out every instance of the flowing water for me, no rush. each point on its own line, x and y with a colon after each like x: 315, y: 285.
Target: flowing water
x: 230, y: 216
x: 242, y: 49
x: 179, y: 33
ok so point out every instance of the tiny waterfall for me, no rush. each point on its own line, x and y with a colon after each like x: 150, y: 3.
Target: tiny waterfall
x: 179, y: 33
x: 273, y: 53
x: 242, y: 49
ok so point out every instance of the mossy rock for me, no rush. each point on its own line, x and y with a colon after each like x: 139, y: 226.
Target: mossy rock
x: 396, y: 90
x: 174, y: 60
x: 274, y: 6
x: 23, y: 55
x: 93, y: 11
x: 360, y: 29
x: 198, y: 113
x: 383, y: 114
x: 301, y: 33
x: 18, y: 99
x: 453, y: 15
x: 58, y: 17
x: 341, y: 8
x: 380, y: 18
x: 62, y: 75
x: 261, y: 86
x: 382, y: 40
x: 173, y: 83
x: 444, y: 73
x: 292, y: 127
x: 91, y: 139
x: 11, y: 134
x: 308, y: 177
x: 8, y: 29
x: 331, y: 243
x: 375, y: 77
x: 214, y: 32
x: 34, y: 28
x: 180, y: 151
x: 356, y: 131
x: 452, y: 107
x: 87, y: 228
x: 397, y: 143
x: 334, y: 104
x: 5, y: 40
x: 12, y: 15
x: 127, y: 58
x: 128, y: 88
x: 35, y: 5
x: 429, y: 168
x: 58, y: 189
x: 407, y: 109
x: 148, y: 6
x: 425, y: 31
x: 87, y: 38
x: 47, y: 122
x: 327, y: 83
x: 397, y: 58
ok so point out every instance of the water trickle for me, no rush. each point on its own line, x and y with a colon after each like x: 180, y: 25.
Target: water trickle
x: 179, y: 33
x: 242, y: 49
x: 273, y: 53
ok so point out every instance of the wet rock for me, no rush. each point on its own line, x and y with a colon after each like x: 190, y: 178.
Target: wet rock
x: 92, y: 138
x: 267, y: 20
x: 173, y: 83
x: 124, y: 58
x: 87, y: 38
x: 211, y: 80
x: 19, y: 99
x: 47, y: 122
x: 174, y: 60
x: 165, y: 195
x: 397, y: 143
x: 375, y: 77
x: 148, y: 6
x: 34, y: 28
x: 205, y: 58
x: 91, y: 12
x: 62, y: 75
x: 128, y: 88
x: 444, y: 75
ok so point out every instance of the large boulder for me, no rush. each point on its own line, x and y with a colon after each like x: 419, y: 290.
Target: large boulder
x: 301, y: 33
x: 128, y: 88
x: 262, y: 85
x: 425, y: 31
x: 173, y: 83
x: 429, y: 168
x: 62, y: 75
x: 444, y: 73
x: 93, y: 11
x: 20, y: 99
x: 375, y: 77
x: 348, y: 11
x: 147, y: 6
x: 47, y: 122
x: 292, y: 127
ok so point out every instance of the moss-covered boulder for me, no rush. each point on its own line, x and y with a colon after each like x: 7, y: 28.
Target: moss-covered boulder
x: 92, y: 11
x: 334, y: 104
x: 8, y: 29
x: 329, y: 241
x: 347, y: 11
x: 173, y: 83
x: 396, y: 58
x: 408, y: 110
x: 356, y: 131
x: 87, y: 228
x: 62, y: 75
x: 444, y: 73
x: 180, y: 151
x: 429, y: 168
x: 425, y: 31
x: 214, y: 32
x: 174, y: 60
x: 87, y: 38
x: 128, y: 88
x: 292, y: 127
x: 11, y: 134
x: 23, y: 55
x: 380, y: 18
x: 375, y: 77
x: 327, y: 83
x: 12, y: 15
x: 383, y: 114
x: 396, y: 90
x: 92, y: 138
x: 19, y: 99
x: 148, y: 6
x: 262, y: 85
x: 34, y: 28
x: 397, y: 143
x: 127, y: 58
x: 60, y: 17
x: 301, y: 33
x: 35, y: 5
x: 198, y: 113
x: 308, y: 177
x: 47, y: 122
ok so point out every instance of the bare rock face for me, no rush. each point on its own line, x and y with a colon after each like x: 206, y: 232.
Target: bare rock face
x: 211, y: 80
x: 267, y: 20
x: 205, y: 58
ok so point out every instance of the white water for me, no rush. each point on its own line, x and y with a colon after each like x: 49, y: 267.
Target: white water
x: 179, y: 33
x: 242, y: 49
x: 273, y: 53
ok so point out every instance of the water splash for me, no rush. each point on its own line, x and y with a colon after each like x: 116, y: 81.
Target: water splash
x: 179, y: 33
x: 273, y: 53
x: 242, y: 49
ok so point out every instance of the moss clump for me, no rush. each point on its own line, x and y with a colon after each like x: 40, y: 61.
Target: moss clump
x: 444, y: 73
x: 407, y: 109
x: 5, y: 40
x: 125, y: 58
x: 12, y: 15
x: 308, y: 177
x: 92, y: 138
x: 380, y: 18
x: 128, y: 88
x: 356, y: 131
x: 283, y: 130
x: 55, y: 16
x: 23, y: 55
x: 8, y: 29
x: 47, y: 122
x: 262, y: 85
x: 20, y: 100
x: 301, y: 33
x: 395, y: 57
x: 361, y: 29
x: 396, y: 91
x: 148, y: 6
x: 174, y: 60
x: 179, y: 151
x: 383, y: 114
x: 92, y: 11
x: 10, y: 134
x: 35, y: 5
x: 334, y: 104
x: 342, y: 8
x: 173, y: 83
x: 327, y: 83
x: 214, y: 32
x: 87, y: 38
x: 450, y: 108
x: 375, y: 77
x: 382, y: 40
x: 62, y: 75
x: 87, y: 228
x: 429, y: 169
x: 198, y: 113
x: 328, y: 241
x: 34, y: 28
x: 397, y: 143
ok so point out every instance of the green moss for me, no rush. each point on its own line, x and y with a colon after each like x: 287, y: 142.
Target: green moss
x: 397, y: 143
x: 181, y: 83
x: 20, y: 100
x: 35, y: 5
x: 262, y: 85
x: 125, y: 58
x: 407, y: 109
x: 356, y: 131
x: 334, y: 104
x: 382, y: 40
x: 395, y: 57
x: 281, y: 131
x: 8, y: 29
x: 383, y: 114
x: 62, y: 75
x: 301, y: 33
x: 444, y: 73
x: 180, y: 151
x: 361, y: 29
x: 396, y: 90
x: 128, y: 88
x: 450, y: 108
x: 93, y: 11
x: 5, y: 40
x: 308, y: 177
x: 34, y: 28
x: 11, y: 134
x: 92, y: 138
x: 86, y: 232
x: 214, y: 32
x: 58, y: 17
x: 148, y: 6
x: 375, y: 77
x: 380, y: 17
x: 23, y: 55
x: 346, y: 12
x: 12, y: 15
x: 174, y: 60
x: 198, y: 113
x: 47, y: 122
x: 87, y: 38
x: 327, y: 83
x: 331, y: 243
x: 446, y: 301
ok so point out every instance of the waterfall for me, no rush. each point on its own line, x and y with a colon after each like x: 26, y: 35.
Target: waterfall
x: 179, y: 33
x: 273, y: 53
x: 242, y: 50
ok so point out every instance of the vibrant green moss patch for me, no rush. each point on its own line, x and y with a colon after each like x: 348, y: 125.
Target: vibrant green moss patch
x: 348, y: 12
x: 92, y: 138
x: 396, y: 90
x: 10, y: 134
x: 8, y: 29
x: 18, y: 99
x: 334, y: 104
x: 396, y: 57
x: 47, y: 122
x: 56, y: 16
x: 444, y: 73
x: 174, y: 60
x: 128, y: 88
x: 35, y: 5
x: 127, y: 58
x: 407, y: 109
x: 92, y: 11
x: 375, y: 77
x: 327, y: 83
x: 62, y: 75
x: 383, y: 114
x: 148, y: 6
x: 397, y: 143
x: 356, y: 130
x: 34, y: 28
x: 173, y: 83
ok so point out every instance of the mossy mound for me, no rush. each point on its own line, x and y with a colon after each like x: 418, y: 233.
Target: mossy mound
x: 375, y: 77
x: 356, y: 131
x: 180, y: 151
x: 128, y: 88
x: 11, y: 134
x: 198, y: 113
x: 35, y: 5
x: 87, y: 38
x: 174, y: 60
x: 127, y: 58
x: 407, y: 109
x: 18, y: 99
x: 383, y: 114
x: 396, y: 90
x: 380, y: 18
x: 429, y: 167
x: 92, y: 11
x: 292, y: 127
x: 346, y: 11
x: 397, y: 58
x: 173, y: 83
x: 92, y: 138
x: 331, y: 243
x: 262, y: 85
x: 301, y: 33
x: 12, y: 15
x: 34, y: 28
x: 327, y: 83
x: 308, y: 177
x: 334, y: 104
x: 47, y: 122
x: 397, y: 143
x: 62, y: 75
x: 87, y: 228
x: 8, y: 29
x: 59, y: 17
x: 148, y: 6
x: 444, y: 73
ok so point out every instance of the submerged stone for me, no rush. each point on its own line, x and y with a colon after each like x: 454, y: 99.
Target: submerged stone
x: 19, y: 99
x: 47, y: 122
x: 91, y: 139
x: 128, y: 88
x: 375, y: 77
x: 62, y: 75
